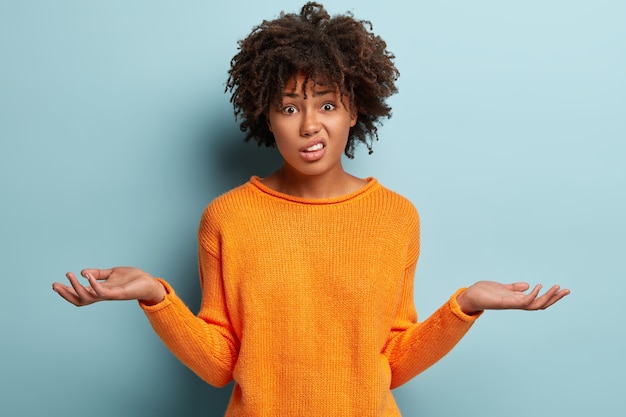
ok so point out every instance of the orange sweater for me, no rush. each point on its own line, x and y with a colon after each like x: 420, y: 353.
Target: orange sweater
x: 308, y: 304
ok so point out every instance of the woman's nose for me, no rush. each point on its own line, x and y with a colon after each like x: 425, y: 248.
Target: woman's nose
x: 310, y: 124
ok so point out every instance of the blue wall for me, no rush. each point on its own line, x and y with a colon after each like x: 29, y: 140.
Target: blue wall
x: 508, y: 135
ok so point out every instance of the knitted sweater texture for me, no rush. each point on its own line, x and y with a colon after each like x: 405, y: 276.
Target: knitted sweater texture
x: 308, y: 304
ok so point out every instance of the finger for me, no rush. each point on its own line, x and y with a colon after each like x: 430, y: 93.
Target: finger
x: 558, y: 295
x: 99, y: 274
x: 97, y: 287
x: 67, y: 293
x: 531, y: 297
x: 545, y: 300
x: 529, y: 301
x: 535, y: 292
x: 85, y: 296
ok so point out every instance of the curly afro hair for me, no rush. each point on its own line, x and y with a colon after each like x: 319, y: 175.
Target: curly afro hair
x: 339, y: 50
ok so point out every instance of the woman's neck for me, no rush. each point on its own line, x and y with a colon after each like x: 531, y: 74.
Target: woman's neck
x: 329, y: 185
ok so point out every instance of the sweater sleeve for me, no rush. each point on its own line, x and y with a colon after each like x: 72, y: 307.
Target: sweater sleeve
x: 415, y: 346
x: 205, y: 343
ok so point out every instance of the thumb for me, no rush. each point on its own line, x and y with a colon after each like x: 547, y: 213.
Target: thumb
x: 519, y: 286
x: 98, y: 274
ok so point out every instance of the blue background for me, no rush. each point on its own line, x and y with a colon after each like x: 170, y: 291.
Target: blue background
x: 507, y: 134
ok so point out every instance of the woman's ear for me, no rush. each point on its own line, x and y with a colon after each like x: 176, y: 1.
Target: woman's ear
x: 354, y: 116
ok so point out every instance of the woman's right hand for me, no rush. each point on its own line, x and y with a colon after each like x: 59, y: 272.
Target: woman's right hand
x: 120, y: 283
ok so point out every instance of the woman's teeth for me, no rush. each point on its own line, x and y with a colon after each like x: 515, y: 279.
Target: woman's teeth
x: 314, y: 148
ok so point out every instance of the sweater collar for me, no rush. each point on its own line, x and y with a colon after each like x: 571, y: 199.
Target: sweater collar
x: 372, y: 184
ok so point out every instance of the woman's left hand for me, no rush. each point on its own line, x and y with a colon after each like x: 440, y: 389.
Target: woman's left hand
x: 489, y: 295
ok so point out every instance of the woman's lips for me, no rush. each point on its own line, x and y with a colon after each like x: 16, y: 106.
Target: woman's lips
x: 313, y: 152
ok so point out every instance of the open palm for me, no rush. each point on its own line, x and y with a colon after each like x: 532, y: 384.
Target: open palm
x: 489, y: 295
x: 120, y: 283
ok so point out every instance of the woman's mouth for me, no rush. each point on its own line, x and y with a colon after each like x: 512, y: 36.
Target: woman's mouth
x: 314, y: 148
x: 313, y: 152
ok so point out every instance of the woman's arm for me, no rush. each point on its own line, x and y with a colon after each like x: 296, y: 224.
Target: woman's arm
x: 415, y: 346
x: 205, y: 343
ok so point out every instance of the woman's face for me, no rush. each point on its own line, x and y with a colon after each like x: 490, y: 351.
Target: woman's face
x: 311, y: 130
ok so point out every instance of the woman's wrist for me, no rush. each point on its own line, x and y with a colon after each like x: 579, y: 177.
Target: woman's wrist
x: 465, y: 305
x: 157, y: 294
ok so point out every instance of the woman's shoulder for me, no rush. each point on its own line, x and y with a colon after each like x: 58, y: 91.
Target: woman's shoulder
x: 396, y: 200
x: 236, y: 199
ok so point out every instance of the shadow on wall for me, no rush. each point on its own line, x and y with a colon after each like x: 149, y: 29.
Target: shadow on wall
x: 225, y: 161
x: 231, y: 161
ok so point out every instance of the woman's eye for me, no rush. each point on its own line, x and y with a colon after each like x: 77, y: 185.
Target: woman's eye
x: 289, y: 109
x: 328, y: 106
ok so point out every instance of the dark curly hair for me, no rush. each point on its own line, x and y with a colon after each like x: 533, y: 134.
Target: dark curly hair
x: 339, y: 50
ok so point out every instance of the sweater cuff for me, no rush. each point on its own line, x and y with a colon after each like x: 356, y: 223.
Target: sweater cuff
x: 167, y: 300
x: 456, y: 308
